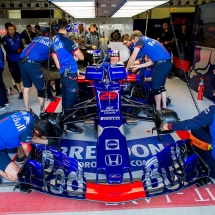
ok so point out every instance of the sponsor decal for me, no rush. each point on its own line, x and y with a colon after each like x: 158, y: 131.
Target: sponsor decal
x: 110, y: 118
x: 114, y: 176
x: 110, y: 110
x: 97, y: 73
x: 139, y: 151
x: 19, y: 125
x: 112, y: 144
x: 107, y: 112
x: 118, y: 72
x: 113, y: 160
x: 44, y: 41
x: 59, y: 46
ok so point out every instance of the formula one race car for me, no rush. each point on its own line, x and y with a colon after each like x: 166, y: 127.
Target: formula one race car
x: 50, y: 171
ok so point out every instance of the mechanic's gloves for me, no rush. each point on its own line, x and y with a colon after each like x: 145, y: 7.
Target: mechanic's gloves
x: 53, y: 142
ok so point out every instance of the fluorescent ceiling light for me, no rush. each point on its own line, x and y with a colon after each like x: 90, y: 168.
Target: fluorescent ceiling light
x: 132, y: 7
x: 136, y: 7
x: 77, y: 8
x: 144, y: 3
x: 75, y: 3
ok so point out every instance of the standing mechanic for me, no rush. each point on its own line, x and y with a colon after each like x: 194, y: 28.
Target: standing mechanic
x: 30, y: 67
x: 92, y: 39
x: 162, y: 64
x: 13, y: 46
x: 66, y: 51
x: 125, y: 41
x: 205, y: 148
x: 17, y: 129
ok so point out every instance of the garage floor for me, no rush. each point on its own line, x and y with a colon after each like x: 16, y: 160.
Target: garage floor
x: 190, y: 201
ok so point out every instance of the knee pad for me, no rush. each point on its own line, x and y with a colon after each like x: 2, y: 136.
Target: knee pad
x: 156, y: 92
x: 162, y: 89
x: 41, y: 93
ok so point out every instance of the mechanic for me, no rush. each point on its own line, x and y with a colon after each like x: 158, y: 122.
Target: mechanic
x: 17, y: 129
x: 13, y: 46
x: 30, y: 67
x: 160, y: 58
x: 166, y: 37
x: 92, y: 39
x: 3, y: 92
x: 67, y: 53
x: 115, y: 36
x: 125, y: 41
x: 196, y: 125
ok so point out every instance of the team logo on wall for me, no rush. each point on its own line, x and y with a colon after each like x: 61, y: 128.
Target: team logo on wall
x: 112, y: 144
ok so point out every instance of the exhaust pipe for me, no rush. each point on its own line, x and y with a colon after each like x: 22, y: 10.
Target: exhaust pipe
x: 89, y: 122
x: 131, y: 121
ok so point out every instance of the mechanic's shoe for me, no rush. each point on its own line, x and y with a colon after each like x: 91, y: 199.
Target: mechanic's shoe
x: 15, y: 88
x: 52, y: 99
x: 163, y: 108
x: 7, y: 104
x: 2, y: 107
x: 20, y: 159
x: 58, y: 95
x: 21, y: 96
x: 74, y: 129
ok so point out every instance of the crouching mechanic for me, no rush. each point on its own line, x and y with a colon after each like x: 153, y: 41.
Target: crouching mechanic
x: 206, y: 145
x: 17, y: 129
x: 162, y: 64
x: 30, y: 67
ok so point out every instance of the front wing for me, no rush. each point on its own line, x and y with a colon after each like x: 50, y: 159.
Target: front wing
x: 51, y: 172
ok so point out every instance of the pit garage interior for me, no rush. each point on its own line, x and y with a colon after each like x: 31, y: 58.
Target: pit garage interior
x: 142, y: 142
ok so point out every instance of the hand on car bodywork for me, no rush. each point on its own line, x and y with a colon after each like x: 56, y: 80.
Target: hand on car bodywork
x: 164, y: 127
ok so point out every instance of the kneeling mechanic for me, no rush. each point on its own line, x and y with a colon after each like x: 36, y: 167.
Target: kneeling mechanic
x: 17, y: 129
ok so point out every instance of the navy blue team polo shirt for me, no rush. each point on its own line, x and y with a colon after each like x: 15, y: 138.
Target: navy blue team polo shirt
x: 152, y: 48
x: 38, y: 49
x: 1, y: 59
x: 13, y: 46
x: 16, y: 128
x: 64, y: 48
x: 139, y: 55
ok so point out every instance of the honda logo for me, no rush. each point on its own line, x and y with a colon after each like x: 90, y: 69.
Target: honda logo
x: 113, y: 160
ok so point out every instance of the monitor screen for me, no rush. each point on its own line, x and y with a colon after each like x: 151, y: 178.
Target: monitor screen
x: 205, y: 25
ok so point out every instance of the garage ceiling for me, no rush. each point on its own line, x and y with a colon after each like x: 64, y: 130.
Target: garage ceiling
x: 85, y: 8
x: 115, y: 8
